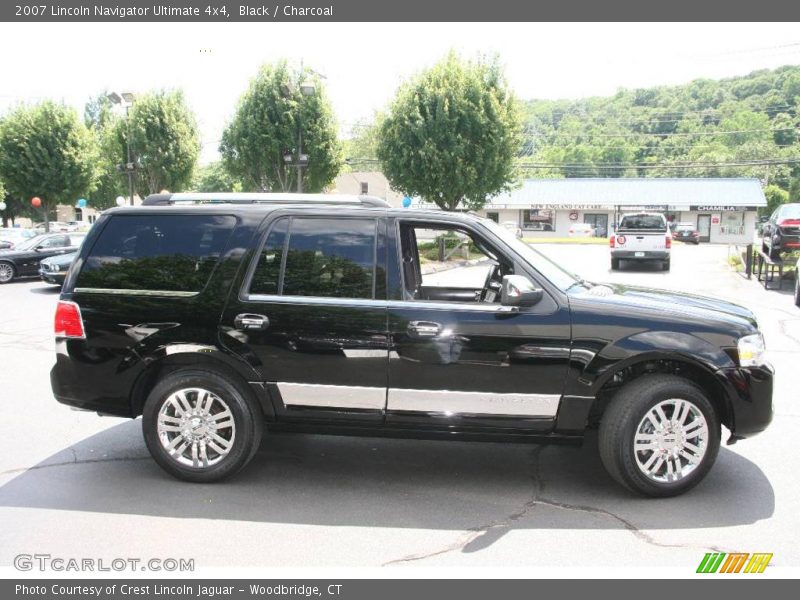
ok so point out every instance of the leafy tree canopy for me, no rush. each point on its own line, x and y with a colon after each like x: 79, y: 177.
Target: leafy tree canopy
x: 46, y: 151
x: 165, y: 143
x: 451, y: 134
x: 269, y: 118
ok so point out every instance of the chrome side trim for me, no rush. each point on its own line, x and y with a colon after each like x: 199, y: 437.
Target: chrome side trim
x: 473, y: 403
x: 126, y: 292
x: 393, y: 304
x: 332, y: 396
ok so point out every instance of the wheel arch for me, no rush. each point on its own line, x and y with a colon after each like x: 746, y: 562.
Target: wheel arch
x: 706, y: 376
x: 178, y: 356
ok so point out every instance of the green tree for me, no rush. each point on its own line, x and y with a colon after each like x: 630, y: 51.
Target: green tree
x: 101, y: 121
x: 361, y: 148
x: 452, y: 134
x: 214, y: 178
x: 46, y: 151
x: 270, y: 116
x: 775, y: 197
x: 165, y: 142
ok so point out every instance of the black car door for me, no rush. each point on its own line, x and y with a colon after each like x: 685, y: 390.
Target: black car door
x: 311, y: 316
x: 49, y: 246
x: 460, y: 360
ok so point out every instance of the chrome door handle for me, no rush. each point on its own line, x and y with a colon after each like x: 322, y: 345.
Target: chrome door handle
x: 250, y: 322
x: 424, y: 329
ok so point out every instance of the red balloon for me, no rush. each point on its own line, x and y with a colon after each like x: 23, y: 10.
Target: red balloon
x: 36, y: 201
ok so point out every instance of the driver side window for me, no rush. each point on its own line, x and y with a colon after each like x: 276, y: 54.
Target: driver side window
x: 59, y: 241
x: 449, y: 264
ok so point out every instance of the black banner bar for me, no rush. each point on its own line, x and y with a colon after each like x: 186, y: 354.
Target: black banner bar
x: 389, y: 589
x: 185, y: 11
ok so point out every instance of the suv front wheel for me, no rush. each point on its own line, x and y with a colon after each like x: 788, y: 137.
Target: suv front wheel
x: 659, y: 436
x: 200, y: 427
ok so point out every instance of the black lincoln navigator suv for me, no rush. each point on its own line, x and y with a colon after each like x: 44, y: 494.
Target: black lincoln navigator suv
x: 216, y: 317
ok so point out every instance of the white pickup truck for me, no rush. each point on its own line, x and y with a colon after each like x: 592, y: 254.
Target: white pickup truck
x: 641, y: 236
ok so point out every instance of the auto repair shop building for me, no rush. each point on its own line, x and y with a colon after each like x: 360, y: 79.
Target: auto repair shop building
x: 723, y: 209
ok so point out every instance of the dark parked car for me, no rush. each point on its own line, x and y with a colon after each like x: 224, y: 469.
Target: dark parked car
x: 220, y: 317
x: 797, y: 283
x: 54, y: 269
x: 782, y: 232
x: 686, y: 232
x: 24, y: 259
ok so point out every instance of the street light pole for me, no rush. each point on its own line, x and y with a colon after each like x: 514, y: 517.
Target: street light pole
x: 299, y: 155
x: 128, y: 144
x: 125, y: 99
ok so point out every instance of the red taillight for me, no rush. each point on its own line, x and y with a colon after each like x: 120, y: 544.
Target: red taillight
x: 68, y: 323
x: 611, y: 241
x: 668, y: 242
x: 789, y: 222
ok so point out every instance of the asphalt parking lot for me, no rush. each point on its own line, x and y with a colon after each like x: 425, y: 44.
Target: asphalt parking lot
x: 73, y: 484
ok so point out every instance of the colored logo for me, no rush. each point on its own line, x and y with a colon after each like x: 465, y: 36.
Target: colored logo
x: 735, y: 562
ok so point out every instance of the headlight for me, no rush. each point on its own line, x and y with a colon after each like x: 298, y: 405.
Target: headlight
x: 751, y: 350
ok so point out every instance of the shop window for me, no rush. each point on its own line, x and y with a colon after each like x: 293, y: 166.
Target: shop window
x: 493, y: 216
x: 537, y: 219
x: 732, y: 223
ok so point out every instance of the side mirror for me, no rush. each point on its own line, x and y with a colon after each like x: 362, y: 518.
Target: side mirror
x: 519, y: 291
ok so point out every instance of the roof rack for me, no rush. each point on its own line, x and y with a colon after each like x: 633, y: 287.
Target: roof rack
x: 258, y: 198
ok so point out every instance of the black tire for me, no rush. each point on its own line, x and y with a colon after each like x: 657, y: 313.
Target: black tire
x: 248, y: 425
x: 624, y: 415
x: 614, y: 264
x: 665, y: 265
x: 7, y: 272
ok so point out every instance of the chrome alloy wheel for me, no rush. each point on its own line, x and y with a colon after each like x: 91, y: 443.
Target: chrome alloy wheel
x: 196, y: 427
x: 671, y: 440
x: 6, y: 272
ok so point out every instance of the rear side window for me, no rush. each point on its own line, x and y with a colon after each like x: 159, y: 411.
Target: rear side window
x: 324, y: 257
x: 156, y: 252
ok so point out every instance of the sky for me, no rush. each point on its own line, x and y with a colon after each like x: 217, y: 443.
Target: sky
x: 365, y: 62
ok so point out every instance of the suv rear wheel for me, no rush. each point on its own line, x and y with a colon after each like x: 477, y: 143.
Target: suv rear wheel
x: 659, y: 436
x: 199, y: 426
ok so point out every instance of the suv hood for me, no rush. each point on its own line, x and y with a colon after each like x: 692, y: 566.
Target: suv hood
x: 673, y: 303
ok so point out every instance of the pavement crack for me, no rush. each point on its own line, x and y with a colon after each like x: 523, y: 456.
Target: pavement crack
x: 74, y: 461
x: 479, y: 537
x: 483, y: 536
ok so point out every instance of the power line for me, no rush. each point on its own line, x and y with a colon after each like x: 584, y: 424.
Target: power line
x: 584, y: 166
x: 556, y: 134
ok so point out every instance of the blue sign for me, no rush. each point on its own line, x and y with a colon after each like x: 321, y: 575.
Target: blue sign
x: 82, y: 203
x: 406, y: 202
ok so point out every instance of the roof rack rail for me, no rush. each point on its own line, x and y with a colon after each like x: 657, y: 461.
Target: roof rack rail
x: 258, y: 198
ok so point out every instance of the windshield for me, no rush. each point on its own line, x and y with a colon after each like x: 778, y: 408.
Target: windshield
x: 30, y: 243
x: 559, y: 277
x: 791, y: 211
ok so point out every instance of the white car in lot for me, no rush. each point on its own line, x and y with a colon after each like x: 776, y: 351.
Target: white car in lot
x: 11, y: 236
x: 641, y: 237
x: 513, y: 227
x: 581, y: 230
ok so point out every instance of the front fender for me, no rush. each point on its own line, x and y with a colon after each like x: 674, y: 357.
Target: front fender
x: 598, y: 367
